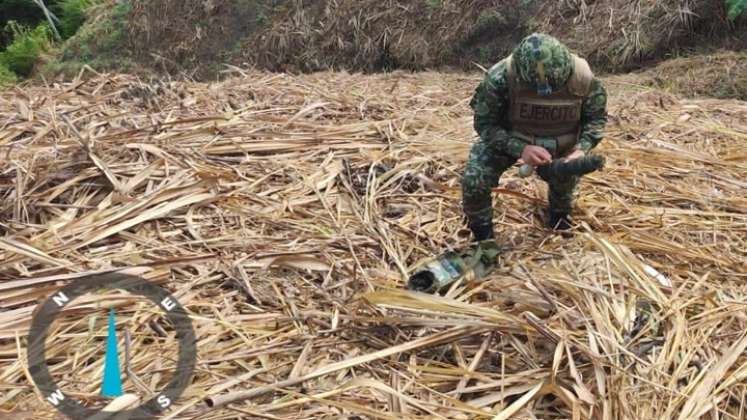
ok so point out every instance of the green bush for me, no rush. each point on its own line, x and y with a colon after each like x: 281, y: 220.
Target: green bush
x: 27, y: 47
x: 72, y: 14
x: 6, y: 76
x: 736, y: 8
x: 25, y: 12
x: 100, y: 44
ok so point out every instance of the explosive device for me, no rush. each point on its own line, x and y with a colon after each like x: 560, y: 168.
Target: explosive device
x: 562, y: 168
x: 435, y: 274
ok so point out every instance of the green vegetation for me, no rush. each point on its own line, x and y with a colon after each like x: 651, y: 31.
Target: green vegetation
x: 27, y: 34
x: 97, y: 44
x: 27, y: 47
x: 72, y: 15
x: 6, y: 76
x: 736, y: 8
x: 23, y: 12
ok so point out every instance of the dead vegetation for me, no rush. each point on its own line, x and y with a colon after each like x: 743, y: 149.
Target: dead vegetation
x: 282, y: 212
x: 195, y: 38
x: 373, y: 35
x: 621, y: 34
x: 719, y: 75
x: 192, y: 38
x: 385, y: 35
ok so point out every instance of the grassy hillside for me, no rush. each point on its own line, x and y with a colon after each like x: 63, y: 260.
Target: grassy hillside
x: 196, y: 38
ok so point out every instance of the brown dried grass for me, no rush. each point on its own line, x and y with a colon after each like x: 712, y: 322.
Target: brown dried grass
x: 383, y: 35
x: 622, y: 34
x: 193, y: 38
x: 614, y: 35
x: 284, y: 211
x: 722, y: 74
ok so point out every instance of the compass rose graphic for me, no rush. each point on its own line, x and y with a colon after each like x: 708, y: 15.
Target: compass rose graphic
x: 111, y: 386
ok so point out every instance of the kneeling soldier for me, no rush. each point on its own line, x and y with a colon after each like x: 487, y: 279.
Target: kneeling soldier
x: 540, y: 104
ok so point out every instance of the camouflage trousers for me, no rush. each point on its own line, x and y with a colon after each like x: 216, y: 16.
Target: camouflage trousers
x: 482, y: 173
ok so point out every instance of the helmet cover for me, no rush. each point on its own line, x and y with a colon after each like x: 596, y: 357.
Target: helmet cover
x: 543, y: 62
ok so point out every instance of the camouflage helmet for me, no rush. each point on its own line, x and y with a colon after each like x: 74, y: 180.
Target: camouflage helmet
x: 543, y: 62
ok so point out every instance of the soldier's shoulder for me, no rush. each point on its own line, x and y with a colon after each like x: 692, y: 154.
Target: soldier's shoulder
x: 498, y: 74
x: 499, y: 68
x: 597, y: 97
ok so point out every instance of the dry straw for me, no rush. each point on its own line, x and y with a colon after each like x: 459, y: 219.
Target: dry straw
x: 284, y: 211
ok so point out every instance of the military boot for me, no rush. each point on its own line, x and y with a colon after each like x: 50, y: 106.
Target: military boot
x: 558, y: 220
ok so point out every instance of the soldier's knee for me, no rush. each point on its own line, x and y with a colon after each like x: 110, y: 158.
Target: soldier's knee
x: 473, y: 200
x: 472, y: 180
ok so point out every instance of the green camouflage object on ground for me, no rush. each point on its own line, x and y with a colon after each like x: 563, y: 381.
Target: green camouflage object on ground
x: 496, y: 151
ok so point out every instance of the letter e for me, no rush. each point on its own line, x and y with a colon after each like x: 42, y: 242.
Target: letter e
x: 168, y: 304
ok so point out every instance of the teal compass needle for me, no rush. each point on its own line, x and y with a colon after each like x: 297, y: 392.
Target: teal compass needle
x: 112, y: 385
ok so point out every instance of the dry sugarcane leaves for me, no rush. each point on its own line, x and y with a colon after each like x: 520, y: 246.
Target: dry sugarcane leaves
x: 286, y: 211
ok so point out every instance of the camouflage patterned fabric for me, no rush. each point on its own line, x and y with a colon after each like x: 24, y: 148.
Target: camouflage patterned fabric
x: 497, y: 151
x: 547, y: 51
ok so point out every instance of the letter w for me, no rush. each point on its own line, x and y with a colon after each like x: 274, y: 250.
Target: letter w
x: 56, y: 397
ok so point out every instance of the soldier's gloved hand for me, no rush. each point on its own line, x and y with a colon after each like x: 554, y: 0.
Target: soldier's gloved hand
x: 536, y: 156
x: 575, y: 154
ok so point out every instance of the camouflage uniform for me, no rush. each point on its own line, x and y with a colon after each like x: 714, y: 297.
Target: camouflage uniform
x: 497, y: 150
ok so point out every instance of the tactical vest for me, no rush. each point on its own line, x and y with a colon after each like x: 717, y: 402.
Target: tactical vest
x: 554, y: 121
